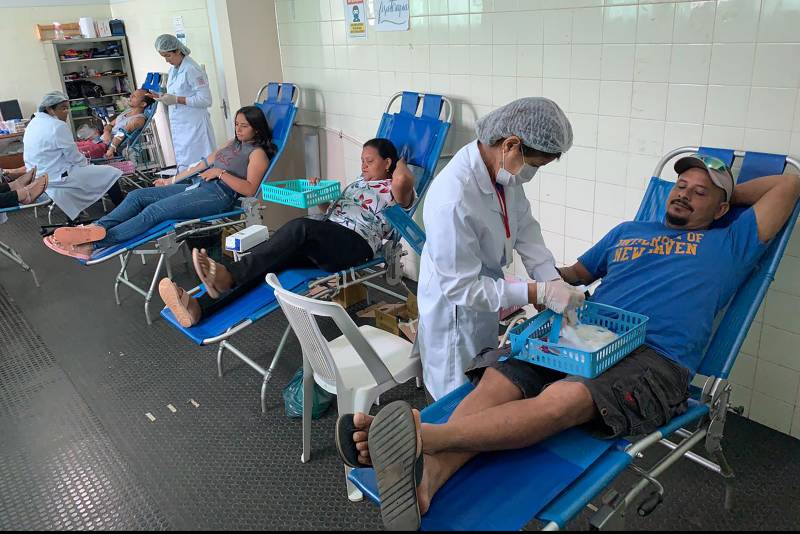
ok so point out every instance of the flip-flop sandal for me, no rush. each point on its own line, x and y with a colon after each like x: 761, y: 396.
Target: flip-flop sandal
x: 207, y: 278
x: 79, y: 235
x: 345, y: 446
x: 48, y: 241
x: 176, y: 300
x: 393, y: 450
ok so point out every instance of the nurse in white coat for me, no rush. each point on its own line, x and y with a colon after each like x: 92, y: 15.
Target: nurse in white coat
x: 475, y: 215
x: 74, y: 184
x: 188, y: 97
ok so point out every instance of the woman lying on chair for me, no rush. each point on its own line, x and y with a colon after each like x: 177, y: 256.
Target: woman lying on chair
x: 350, y: 234
x: 232, y: 171
x: 18, y: 186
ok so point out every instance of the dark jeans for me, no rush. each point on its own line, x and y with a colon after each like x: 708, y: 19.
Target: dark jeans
x: 8, y: 198
x: 115, y: 194
x: 301, y: 243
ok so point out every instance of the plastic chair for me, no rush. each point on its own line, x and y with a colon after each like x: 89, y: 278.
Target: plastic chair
x: 358, y: 366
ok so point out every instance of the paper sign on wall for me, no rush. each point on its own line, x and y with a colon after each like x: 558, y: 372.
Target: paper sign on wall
x: 180, y: 32
x: 391, y: 15
x: 355, y: 17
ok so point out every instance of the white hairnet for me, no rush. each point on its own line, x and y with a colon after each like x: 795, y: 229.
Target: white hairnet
x: 168, y: 43
x: 53, y: 98
x: 537, y: 121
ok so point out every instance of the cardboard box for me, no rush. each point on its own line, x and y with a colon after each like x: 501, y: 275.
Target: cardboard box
x: 399, y: 319
x: 351, y: 296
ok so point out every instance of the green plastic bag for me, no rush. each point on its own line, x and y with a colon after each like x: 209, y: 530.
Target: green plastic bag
x: 293, y: 398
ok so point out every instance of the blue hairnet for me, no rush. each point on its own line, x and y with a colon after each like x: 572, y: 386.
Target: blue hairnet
x: 537, y: 121
x: 168, y: 43
x: 53, y: 98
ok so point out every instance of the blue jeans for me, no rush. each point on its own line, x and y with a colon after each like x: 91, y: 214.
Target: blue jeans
x: 144, y: 209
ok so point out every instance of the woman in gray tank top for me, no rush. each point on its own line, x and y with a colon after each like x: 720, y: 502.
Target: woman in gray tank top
x: 209, y: 187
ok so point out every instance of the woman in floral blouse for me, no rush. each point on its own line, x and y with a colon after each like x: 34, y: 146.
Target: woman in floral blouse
x: 350, y: 234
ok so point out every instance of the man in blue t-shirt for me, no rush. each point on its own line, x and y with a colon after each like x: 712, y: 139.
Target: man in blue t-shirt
x: 679, y: 272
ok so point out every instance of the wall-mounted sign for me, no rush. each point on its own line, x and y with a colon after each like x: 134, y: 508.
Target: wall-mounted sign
x: 355, y: 17
x: 391, y: 15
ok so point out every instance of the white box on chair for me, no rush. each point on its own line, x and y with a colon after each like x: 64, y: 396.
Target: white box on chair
x: 247, y: 238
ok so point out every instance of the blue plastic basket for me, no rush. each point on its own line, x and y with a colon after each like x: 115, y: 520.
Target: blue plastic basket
x: 530, y: 340
x: 300, y: 193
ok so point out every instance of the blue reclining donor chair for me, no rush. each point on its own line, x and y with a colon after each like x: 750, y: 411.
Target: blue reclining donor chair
x: 419, y: 138
x: 280, y: 107
x: 555, y: 480
x: 7, y: 250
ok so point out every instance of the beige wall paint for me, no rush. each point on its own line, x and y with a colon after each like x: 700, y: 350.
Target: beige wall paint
x: 27, y: 66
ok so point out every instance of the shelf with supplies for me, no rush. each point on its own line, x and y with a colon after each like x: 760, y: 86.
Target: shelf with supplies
x: 104, y: 96
x: 90, y: 59
x: 100, y: 89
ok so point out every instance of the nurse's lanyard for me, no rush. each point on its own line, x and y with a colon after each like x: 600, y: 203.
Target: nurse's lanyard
x: 501, y: 198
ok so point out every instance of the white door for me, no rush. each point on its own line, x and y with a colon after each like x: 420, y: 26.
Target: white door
x: 224, y: 102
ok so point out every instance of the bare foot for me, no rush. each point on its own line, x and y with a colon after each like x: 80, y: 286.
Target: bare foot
x: 214, y: 276
x: 362, y: 421
x: 29, y: 194
x: 22, y: 181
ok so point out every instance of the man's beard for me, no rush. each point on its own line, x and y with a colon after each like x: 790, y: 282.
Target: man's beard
x: 675, y: 220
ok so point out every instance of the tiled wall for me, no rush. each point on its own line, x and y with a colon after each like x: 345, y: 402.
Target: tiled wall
x: 635, y: 79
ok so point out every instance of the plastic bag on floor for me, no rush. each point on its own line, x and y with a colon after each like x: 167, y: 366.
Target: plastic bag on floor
x: 293, y: 398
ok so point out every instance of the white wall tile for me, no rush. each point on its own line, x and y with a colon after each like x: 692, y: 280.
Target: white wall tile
x: 586, y: 61
x: 552, y: 188
x: 647, y: 137
x: 617, y: 62
x: 615, y: 98
x: 557, y: 90
x: 767, y: 141
x: 737, y: 21
x: 780, y: 347
x: 530, y: 59
x: 603, y: 224
x: 776, y: 65
x: 633, y: 199
x: 609, y: 199
x: 504, y: 90
x: 530, y: 27
x: 555, y: 242
x: 578, y: 224
x: 580, y: 194
x: 612, y: 167
x: 781, y: 311
x: 458, y: 26
x: 776, y: 381
x: 613, y: 133
x: 574, y: 248
x: 619, y: 24
x: 556, y: 62
x: 655, y: 23
x: 557, y: 26
x: 640, y: 169
x: 480, y: 29
x: 795, y: 432
x: 771, y: 412
x: 732, y: 64
x: 551, y: 217
x: 751, y: 341
x: 481, y: 89
x: 584, y: 96
x: 504, y: 60
x: 587, y: 25
x: 768, y: 107
x: 677, y: 134
x: 690, y: 63
x: 779, y: 21
x: 584, y: 129
x: 686, y: 103
x: 694, y: 22
x: 727, y: 105
x: 741, y: 396
x: 649, y: 101
x: 529, y: 87
x: 505, y: 28
x: 581, y: 163
x: 652, y: 62
x: 723, y: 136
x: 788, y: 277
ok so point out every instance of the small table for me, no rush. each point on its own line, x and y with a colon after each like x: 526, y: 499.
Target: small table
x: 11, y: 151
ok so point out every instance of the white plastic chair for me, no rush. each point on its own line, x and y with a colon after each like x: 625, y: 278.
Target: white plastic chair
x: 357, y: 366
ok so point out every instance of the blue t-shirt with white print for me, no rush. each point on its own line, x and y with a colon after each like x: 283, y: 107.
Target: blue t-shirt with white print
x: 680, y: 279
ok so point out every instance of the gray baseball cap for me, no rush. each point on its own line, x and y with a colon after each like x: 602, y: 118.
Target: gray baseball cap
x: 719, y: 173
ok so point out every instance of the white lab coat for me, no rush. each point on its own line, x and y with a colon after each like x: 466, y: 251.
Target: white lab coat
x: 461, y: 281
x: 49, y: 146
x: 192, y: 136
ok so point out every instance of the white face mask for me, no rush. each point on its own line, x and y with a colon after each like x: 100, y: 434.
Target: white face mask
x: 524, y: 175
